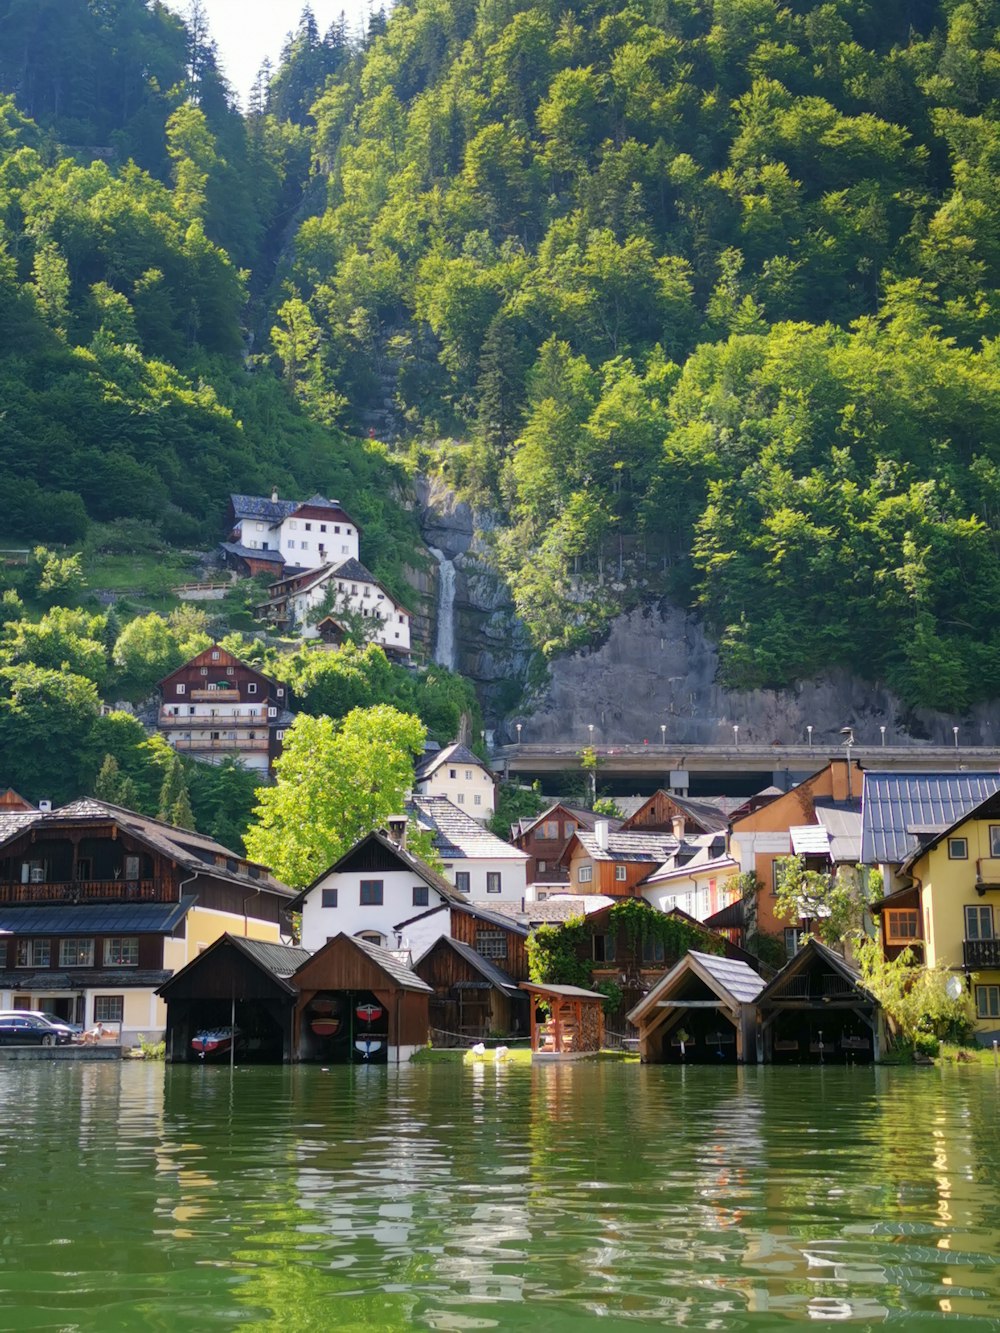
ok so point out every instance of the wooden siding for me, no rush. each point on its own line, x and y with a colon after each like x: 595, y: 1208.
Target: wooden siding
x: 226, y: 973
x: 342, y: 966
x: 658, y: 814
x: 465, y: 927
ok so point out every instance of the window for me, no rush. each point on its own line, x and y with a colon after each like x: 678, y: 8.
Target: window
x: 309, y: 527
x: 493, y: 881
x: 621, y: 873
x: 293, y: 523
x: 420, y: 895
x: 322, y: 527
x: 272, y: 712
x: 131, y: 869
x: 542, y: 867
x: 251, y: 688
x: 569, y: 828
x: 279, y: 735
x: 995, y: 840
x: 3, y: 953
x: 988, y: 1001
x: 585, y: 874
x: 32, y: 872
x: 979, y: 923
x: 793, y: 941
x: 775, y: 870
x: 462, y: 881
x: 280, y: 692
x: 372, y: 936
x: 477, y: 799
x: 371, y: 893
x: 230, y: 671
x: 109, y: 1008
x: 453, y: 772
x: 336, y: 527
x: 33, y: 953
x: 215, y: 656
x: 329, y: 897
x: 461, y: 798
x: 958, y: 849
x: 203, y: 671
x: 181, y: 689
x: 76, y: 953
x: 121, y: 951
x: 550, y: 830
x: 349, y: 531
x: 652, y: 951
x: 902, y: 925
x: 468, y: 775
x: 604, y: 948
x: 491, y: 944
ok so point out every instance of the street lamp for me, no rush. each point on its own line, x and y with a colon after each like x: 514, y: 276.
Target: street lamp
x: 882, y: 732
x: 590, y: 728
x: 954, y: 732
x: 736, y: 735
x: 809, y: 732
x: 848, y: 735
x: 519, y: 726
x: 663, y: 733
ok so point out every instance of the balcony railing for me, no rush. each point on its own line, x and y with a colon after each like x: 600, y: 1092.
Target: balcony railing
x: 213, y: 696
x: 221, y: 745
x: 211, y: 721
x: 81, y: 891
x: 981, y: 953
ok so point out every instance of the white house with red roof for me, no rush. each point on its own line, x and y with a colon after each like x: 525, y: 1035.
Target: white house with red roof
x: 346, y: 591
x: 289, y: 534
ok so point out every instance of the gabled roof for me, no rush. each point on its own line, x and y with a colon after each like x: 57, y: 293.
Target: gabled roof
x: 457, y: 836
x: 842, y: 821
x: 668, y: 873
x: 562, y: 992
x: 810, y: 952
x: 988, y: 809
x: 278, y: 961
x: 262, y: 507
x: 252, y: 553
x: 706, y: 813
x: 900, y: 811
x: 732, y: 981
x: 456, y: 753
x: 388, y: 961
x: 225, y: 659
x: 406, y: 860
x: 629, y: 846
x: 489, y: 971
x: 583, y: 818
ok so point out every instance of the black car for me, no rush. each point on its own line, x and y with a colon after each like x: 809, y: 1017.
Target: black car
x: 32, y: 1030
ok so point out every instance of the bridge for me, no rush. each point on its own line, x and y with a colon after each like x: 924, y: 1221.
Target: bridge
x: 731, y: 770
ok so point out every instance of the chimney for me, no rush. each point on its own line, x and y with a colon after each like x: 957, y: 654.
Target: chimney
x: 45, y: 807
x: 677, y: 823
x: 396, y: 829
x: 274, y: 495
x: 601, y: 829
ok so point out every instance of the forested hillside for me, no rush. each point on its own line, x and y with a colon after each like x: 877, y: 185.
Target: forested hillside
x: 711, y: 291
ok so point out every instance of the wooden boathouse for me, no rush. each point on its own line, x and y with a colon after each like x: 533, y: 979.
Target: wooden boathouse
x: 703, y: 1011
x: 473, y: 997
x: 817, y: 1011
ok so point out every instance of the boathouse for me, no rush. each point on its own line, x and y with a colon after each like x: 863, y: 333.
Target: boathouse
x: 359, y: 1003
x: 703, y: 1011
x: 566, y: 1021
x: 817, y: 1011
x: 239, y: 983
x: 473, y: 997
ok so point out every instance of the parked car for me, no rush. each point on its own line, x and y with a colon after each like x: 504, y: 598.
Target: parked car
x: 27, y: 1028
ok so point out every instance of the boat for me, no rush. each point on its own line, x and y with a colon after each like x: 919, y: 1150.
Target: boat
x: 368, y: 1046
x: 324, y: 1025
x: 369, y: 1013
x: 214, y: 1042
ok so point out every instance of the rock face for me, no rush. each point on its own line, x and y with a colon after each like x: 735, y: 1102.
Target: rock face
x: 491, y: 645
x: 657, y: 665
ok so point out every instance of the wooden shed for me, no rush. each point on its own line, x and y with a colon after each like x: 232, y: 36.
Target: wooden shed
x: 472, y: 996
x: 574, y: 1025
x: 235, y: 982
x: 817, y: 1011
x: 703, y: 1011
x: 359, y: 1002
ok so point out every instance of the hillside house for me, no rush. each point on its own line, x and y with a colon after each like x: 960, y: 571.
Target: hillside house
x: 101, y: 905
x: 270, y: 535
x: 215, y: 705
x: 299, y: 602
x: 460, y: 776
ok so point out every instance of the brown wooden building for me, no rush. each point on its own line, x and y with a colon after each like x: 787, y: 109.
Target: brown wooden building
x: 473, y: 998
x: 215, y: 705
x: 547, y: 839
x: 703, y: 1011
x: 235, y: 982
x: 616, y: 862
x: 378, y: 1003
x: 573, y: 1025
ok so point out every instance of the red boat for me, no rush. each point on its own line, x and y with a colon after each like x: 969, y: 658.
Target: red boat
x: 214, y: 1042
x: 369, y: 1013
x: 325, y: 1026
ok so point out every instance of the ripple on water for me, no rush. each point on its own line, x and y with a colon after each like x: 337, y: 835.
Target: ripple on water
x: 553, y: 1198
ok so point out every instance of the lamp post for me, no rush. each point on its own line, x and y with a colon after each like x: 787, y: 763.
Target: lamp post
x: 590, y: 728
x: 736, y: 735
x: 882, y: 733
x: 954, y: 732
x: 519, y: 726
x: 809, y: 733
x: 663, y: 733
x: 848, y: 735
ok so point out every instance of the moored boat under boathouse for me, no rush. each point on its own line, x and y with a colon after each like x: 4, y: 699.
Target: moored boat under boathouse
x: 703, y: 1011
x: 817, y: 1011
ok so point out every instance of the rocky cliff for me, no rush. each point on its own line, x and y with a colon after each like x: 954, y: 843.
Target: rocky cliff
x: 657, y: 666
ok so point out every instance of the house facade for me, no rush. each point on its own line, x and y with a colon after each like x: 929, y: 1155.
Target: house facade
x: 100, y: 906
x: 297, y: 534
x: 346, y: 591
x: 480, y: 865
x: 460, y: 777
x: 215, y: 705
x: 701, y: 886
x: 615, y: 863
x: 546, y: 841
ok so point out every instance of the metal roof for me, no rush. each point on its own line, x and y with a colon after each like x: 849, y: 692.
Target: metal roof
x: 895, y: 807
x: 565, y: 992
x: 280, y: 959
x: 96, y: 919
x: 252, y: 553
x: 390, y: 964
x: 842, y: 821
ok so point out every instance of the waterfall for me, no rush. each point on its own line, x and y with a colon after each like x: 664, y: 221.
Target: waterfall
x: 444, y: 643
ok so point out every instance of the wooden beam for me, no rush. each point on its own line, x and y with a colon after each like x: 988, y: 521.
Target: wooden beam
x: 691, y: 1004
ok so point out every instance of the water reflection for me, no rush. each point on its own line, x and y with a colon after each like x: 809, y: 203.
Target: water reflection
x: 450, y: 1198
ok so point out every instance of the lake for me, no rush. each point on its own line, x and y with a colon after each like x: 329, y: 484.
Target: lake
x: 564, y: 1197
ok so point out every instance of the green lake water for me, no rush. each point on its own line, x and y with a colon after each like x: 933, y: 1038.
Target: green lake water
x: 574, y: 1197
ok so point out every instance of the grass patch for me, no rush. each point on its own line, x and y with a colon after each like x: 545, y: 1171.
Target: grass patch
x: 967, y: 1055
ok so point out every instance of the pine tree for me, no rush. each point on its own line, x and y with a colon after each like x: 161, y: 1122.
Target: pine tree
x: 107, y: 786
x: 174, y: 791
x: 181, y: 814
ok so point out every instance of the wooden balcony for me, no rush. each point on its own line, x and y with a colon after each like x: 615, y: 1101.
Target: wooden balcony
x: 981, y: 953
x: 82, y: 891
x: 215, y: 696
x: 220, y: 746
x: 211, y: 721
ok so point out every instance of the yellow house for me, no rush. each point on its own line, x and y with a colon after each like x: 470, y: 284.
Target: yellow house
x: 950, y: 911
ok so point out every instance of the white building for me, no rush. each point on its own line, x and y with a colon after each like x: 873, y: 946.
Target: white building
x: 344, y: 589
x: 481, y: 866
x: 369, y: 891
x: 461, y: 777
x: 306, y: 533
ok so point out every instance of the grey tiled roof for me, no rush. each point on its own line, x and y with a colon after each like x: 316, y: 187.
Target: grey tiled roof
x: 900, y: 810
x: 630, y: 846
x: 456, y: 753
x: 262, y: 506
x: 252, y: 552
x: 741, y: 981
x: 457, y: 836
x: 126, y: 978
x: 96, y: 918
x: 280, y: 959
x: 389, y: 963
